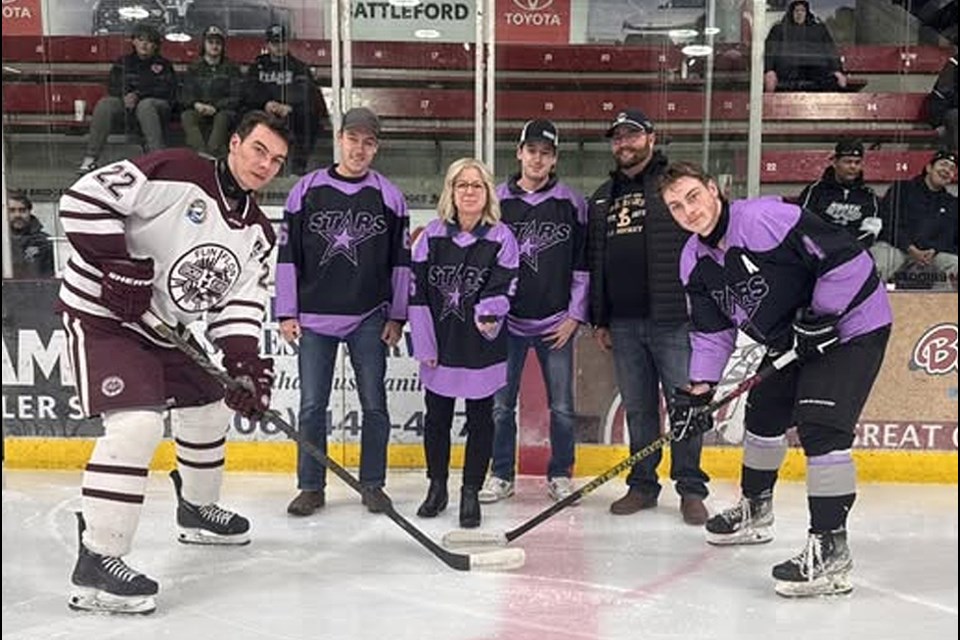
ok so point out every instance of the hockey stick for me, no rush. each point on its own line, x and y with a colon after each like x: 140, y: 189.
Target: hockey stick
x: 496, y: 560
x: 478, y: 538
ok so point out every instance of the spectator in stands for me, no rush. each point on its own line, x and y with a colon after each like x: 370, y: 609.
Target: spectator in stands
x: 211, y: 96
x: 639, y: 312
x: 942, y: 103
x: 841, y: 197
x: 281, y: 84
x: 142, y: 89
x: 800, y: 54
x: 31, y: 247
x: 920, y: 220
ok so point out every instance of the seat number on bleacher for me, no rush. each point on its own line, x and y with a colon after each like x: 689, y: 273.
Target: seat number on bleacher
x: 115, y: 180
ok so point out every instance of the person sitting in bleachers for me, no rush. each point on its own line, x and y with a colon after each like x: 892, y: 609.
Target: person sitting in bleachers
x: 31, y: 248
x: 142, y: 90
x: 800, y: 55
x: 942, y: 103
x: 841, y: 197
x: 920, y: 224
x: 283, y: 85
x: 211, y: 96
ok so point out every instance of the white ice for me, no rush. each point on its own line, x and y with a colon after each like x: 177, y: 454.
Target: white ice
x: 348, y: 574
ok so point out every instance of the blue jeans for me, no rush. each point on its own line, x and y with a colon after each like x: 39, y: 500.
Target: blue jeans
x: 557, y: 366
x: 368, y: 354
x: 646, y: 355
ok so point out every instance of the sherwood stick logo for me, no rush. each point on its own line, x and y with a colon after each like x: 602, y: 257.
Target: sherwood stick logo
x: 936, y: 350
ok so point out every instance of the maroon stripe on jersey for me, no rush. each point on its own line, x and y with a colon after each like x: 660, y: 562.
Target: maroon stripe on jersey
x: 95, y: 202
x: 76, y: 215
x: 201, y: 445
x: 99, y: 247
x: 89, y: 275
x: 113, y: 496
x: 115, y: 470
x: 200, y: 465
x: 222, y: 323
x: 82, y: 294
x: 238, y: 303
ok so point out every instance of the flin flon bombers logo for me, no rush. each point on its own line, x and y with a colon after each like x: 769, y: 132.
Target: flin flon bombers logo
x: 202, y: 277
x: 112, y: 386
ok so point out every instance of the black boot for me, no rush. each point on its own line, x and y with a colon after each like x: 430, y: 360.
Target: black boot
x: 469, y: 507
x: 436, y: 500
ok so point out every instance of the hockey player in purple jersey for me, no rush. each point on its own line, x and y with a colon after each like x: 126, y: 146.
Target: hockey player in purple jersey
x: 343, y: 274
x: 183, y: 236
x: 549, y: 221
x: 464, y: 274
x: 787, y: 279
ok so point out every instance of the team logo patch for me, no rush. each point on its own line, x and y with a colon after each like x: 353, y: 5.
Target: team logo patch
x: 197, y: 211
x: 112, y: 386
x: 202, y: 277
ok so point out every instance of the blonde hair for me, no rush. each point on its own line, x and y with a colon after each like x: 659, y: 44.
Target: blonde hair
x: 446, y: 208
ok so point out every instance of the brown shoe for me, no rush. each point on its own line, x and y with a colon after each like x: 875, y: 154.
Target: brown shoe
x: 375, y: 500
x: 306, y: 503
x: 634, y: 501
x: 693, y: 510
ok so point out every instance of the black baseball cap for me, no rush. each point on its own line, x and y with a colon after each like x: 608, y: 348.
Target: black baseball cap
x: 945, y: 154
x: 361, y: 118
x: 276, y: 33
x: 539, y: 131
x: 213, y: 31
x: 632, y: 118
x: 848, y: 148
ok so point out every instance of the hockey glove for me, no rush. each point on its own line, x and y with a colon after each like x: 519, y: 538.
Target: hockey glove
x: 815, y: 335
x: 688, y: 415
x: 126, y: 287
x: 255, y: 375
x: 870, y: 228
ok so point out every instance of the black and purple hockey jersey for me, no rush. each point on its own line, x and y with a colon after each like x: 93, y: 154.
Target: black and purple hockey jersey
x: 344, y: 252
x: 550, y: 226
x: 771, y: 261
x: 459, y: 277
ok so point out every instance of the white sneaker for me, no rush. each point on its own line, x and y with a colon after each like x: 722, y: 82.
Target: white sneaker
x: 559, y: 488
x: 495, y: 489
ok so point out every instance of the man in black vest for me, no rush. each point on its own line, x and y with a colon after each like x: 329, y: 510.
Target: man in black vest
x: 638, y: 309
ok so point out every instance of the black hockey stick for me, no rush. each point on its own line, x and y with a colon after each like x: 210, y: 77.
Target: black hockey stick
x: 476, y: 538
x: 491, y: 560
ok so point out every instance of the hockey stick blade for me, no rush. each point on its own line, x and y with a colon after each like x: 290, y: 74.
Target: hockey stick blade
x: 462, y: 538
x: 497, y: 560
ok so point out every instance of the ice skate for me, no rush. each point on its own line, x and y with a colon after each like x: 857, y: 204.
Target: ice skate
x: 750, y: 521
x: 209, y: 523
x: 821, y: 569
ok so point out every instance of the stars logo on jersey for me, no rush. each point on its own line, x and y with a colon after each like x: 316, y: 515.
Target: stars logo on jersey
x: 534, y: 237
x: 197, y: 211
x: 201, y: 278
x: 344, y: 231
x: 456, y: 284
x: 740, y: 300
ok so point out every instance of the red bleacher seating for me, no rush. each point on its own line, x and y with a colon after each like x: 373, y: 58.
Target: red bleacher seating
x: 802, y: 167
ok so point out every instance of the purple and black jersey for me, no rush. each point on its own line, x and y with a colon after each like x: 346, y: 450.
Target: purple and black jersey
x: 772, y: 260
x: 550, y: 226
x: 344, y: 252
x: 459, y: 277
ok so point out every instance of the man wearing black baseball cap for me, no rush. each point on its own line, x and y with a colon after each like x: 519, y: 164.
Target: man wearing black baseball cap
x: 840, y: 196
x: 549, y: 221
x: 281, y: 84
x: 211, y: 96
x: 638, y: 309
x: 922, y: 229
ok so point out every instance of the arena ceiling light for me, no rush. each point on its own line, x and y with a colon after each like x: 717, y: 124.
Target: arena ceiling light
x: 133, y: 12
x: 426, y: 34
x: 178, y: 36
x: 697, y: 50
x: 682, y: 34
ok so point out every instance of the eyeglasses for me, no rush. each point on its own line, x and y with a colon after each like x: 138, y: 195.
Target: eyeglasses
x: 467, y: 186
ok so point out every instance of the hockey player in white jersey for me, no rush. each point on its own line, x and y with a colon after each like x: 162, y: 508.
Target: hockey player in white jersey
x: 183, y: 237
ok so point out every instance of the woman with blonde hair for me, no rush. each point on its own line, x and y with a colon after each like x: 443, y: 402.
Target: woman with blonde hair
x: 464, y: 273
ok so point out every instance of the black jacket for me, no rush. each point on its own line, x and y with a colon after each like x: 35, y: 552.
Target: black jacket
x: 147, y: 77
x: 219, y: 85
x: 845, y: 205
x: 32, y: 251
x: 915, y: 215
x: 791, y: 48
x: 665, y: 240
x: 287, y: 80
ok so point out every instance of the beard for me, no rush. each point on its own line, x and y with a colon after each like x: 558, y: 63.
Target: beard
x: 636, y: 155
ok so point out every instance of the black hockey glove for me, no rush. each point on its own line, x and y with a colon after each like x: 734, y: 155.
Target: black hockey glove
x: 688, y: 417
x: 126, y: 287
x: 815, y: 335
x: 255, y: 375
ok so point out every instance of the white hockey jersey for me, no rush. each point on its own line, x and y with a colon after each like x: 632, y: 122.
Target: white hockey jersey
x: 170, y: 205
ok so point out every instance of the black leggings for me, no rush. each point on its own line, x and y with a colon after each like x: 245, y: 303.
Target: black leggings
x: 436, y: 438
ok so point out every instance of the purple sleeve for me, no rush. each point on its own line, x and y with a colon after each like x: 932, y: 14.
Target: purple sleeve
x: 494, y: 299
x: 714, y: 336
x: 288, y: 250
x: 422, y: 332
x: 709, y: 353
x: 400, y: 249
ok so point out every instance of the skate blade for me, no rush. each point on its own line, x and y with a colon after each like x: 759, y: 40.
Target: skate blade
x: 200, y: 536
x: 754, y: 536
x: 97, y: 601
x: 836, y: 585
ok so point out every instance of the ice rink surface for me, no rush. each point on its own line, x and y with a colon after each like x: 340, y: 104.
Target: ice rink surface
x: 348, y: 574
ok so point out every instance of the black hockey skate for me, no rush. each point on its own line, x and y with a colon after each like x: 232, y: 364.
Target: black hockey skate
x: 105, y: 584
x: 821, y: 569
x: 208, y: 523
x: 750, y: 521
